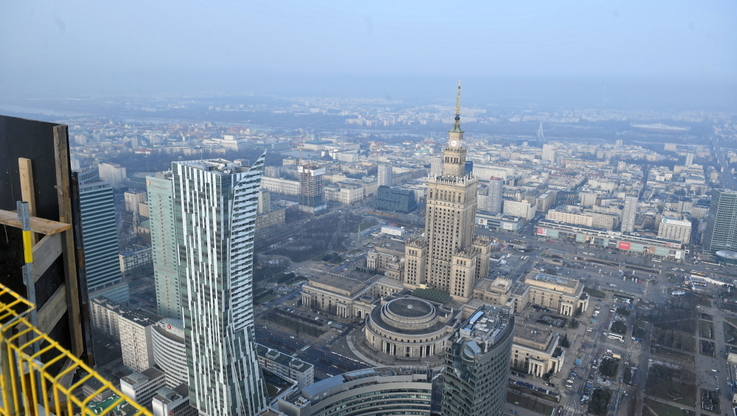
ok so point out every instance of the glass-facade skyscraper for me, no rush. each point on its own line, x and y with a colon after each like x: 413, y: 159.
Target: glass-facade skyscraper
x: 477, y: 364
x: 100, y: 238
x: 215, y: 204
x: 721, y: 225
x: 164, y: 244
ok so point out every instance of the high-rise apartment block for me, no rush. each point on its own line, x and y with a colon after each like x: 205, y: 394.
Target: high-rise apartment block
x: 548, y: 153
x: 629, y: 214
x: 721, y: 223
x: 449, y: 257
x: 477, y: 364
x: 164, y: 244
x: 385, y: 175
x: 100, y: 238
x: 112, y: 173
x: 215, y: 204
x: 311, y: 188
x: 496, y: 193
x: 135, y: 339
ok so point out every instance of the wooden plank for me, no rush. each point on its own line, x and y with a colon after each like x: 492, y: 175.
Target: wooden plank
x: 45, y: 252
x: 64, y: 190
x: 38, y: 225
x: 25, y: 168
x: 52, y: 311
x: 26, y: 184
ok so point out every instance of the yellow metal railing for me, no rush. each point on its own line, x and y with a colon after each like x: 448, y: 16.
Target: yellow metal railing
x: 29, y: 381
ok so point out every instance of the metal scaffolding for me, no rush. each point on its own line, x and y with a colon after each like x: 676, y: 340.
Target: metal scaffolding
x: 37, y: 375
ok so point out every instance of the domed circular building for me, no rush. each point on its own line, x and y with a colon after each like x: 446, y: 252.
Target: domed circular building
x: 410, y: 327
x: 727, y: 257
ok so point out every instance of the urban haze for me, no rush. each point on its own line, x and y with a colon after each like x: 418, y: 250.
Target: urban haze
x: 322, y: 208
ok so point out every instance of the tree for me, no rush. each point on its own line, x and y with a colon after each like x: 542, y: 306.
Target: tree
x: 564, y: 342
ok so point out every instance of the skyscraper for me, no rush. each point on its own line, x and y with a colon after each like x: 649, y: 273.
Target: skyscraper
x: 450, y: 257
x: 385, y: 175
x: 164, y: 245
x: 215, y: 204
x: 629, y: 214
x: 496, y: 192
x: 548, y: 153
x: 477, y: 364
x: 721, y: 223
x: 311, y: 190
x: 100, y: 238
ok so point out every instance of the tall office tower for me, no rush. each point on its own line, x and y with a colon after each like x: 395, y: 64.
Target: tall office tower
x: 496, y: 192
x: 721, y: 223
x: 450, y: 257
x: 164, y: 245
x: 385, y: 175
x: 215, y: 203
x: 618, y: 143
x: 311, y: 190
x: 629, y: 214
x: 100, y: 238
x: 689, y: 159
x: 264, y: 201
x: 477, y: 364
x: 548, y: 153
x: 436, y: 166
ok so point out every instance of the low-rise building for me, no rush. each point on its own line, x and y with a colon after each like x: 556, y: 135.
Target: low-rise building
x: 410, y: 327
x: 137, y: 261
x: 172, y: 402
x: 535, y: 350
x: 280, y: 186
x: 562, y: 295
x: 170, y: 352
x: 660, y: 247
x: 392, y: 390
x: 674, y: 229
x: 286, y: 366
x: 142, y: 387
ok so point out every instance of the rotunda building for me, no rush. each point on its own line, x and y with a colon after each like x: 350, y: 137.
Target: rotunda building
x: 410, y: 327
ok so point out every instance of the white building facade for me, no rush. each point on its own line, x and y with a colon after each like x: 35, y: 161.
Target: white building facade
x: 215, y: 204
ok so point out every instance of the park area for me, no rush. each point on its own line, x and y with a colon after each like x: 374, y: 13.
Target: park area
x: 653, y: 408
x: 730, y: 330
x: 672, y: 384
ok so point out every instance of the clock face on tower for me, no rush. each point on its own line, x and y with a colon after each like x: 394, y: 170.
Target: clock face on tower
x: 453, y: 143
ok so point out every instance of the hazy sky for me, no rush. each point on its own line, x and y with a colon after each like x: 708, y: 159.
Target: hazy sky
x: 235, y: 46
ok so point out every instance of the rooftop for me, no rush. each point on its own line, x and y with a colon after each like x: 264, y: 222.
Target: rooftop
x: 220, y: 166
x: 531, y: 335
x: 486, y: 327
x: 338, y: 282
x: 410, y: 307
x: 143, y: 376
x: 552, y: 280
